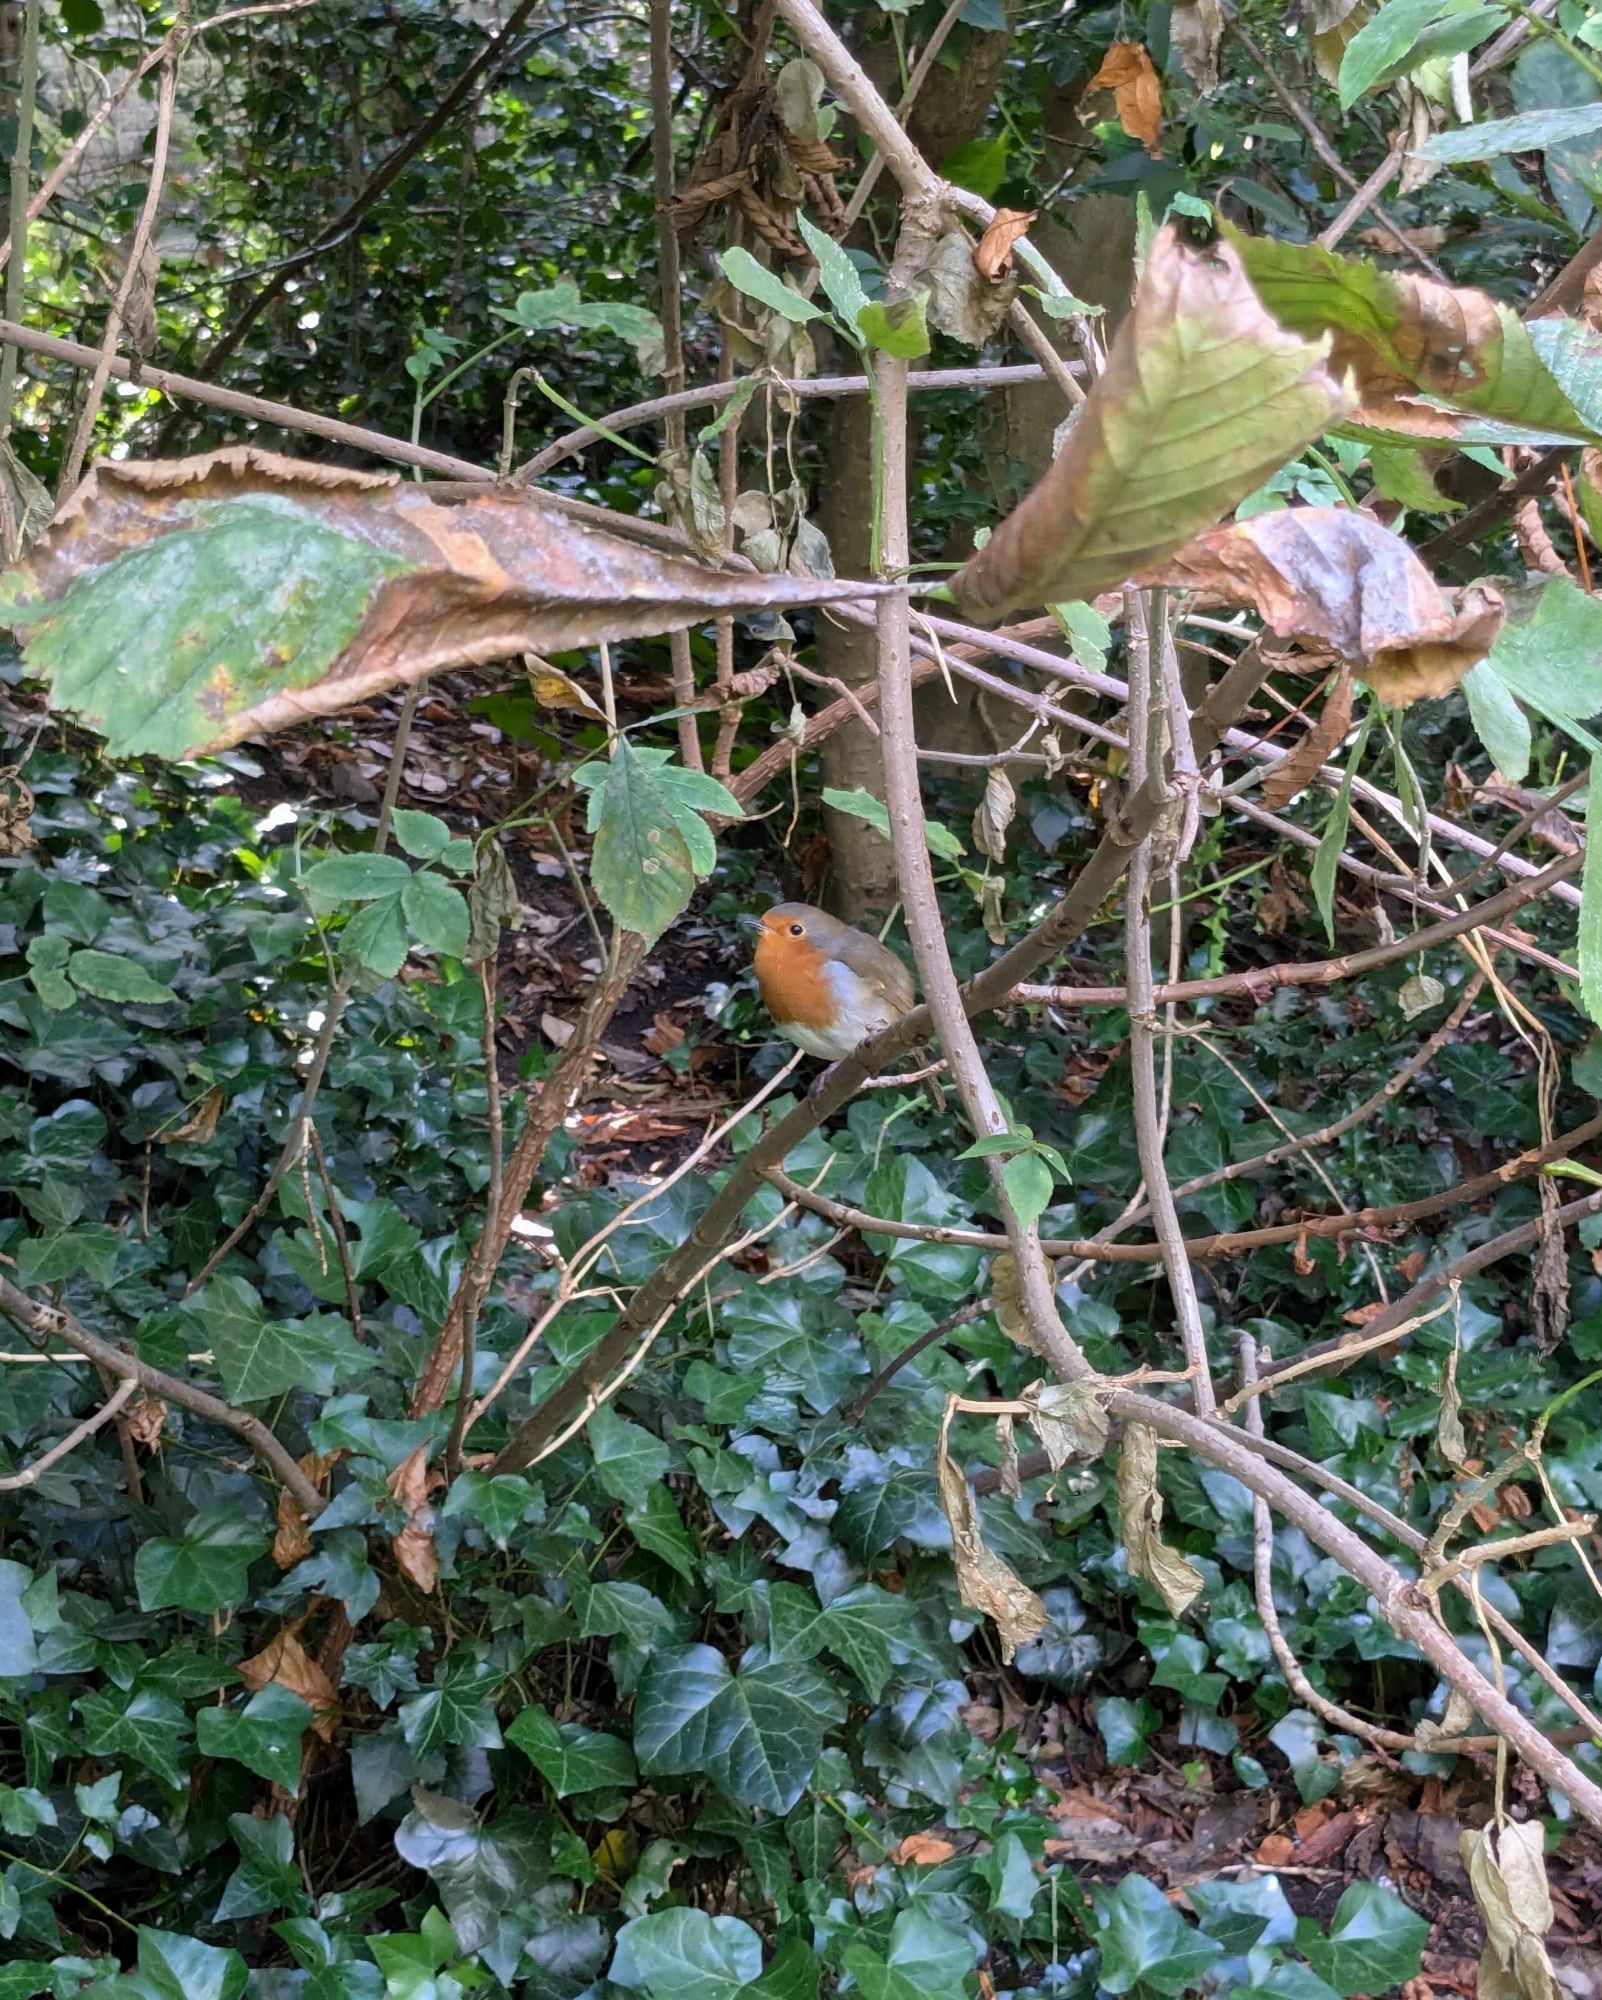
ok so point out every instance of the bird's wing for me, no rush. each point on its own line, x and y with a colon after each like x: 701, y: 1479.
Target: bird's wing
x: 878, y: 965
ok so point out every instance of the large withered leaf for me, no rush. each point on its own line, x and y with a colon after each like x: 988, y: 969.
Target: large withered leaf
x: 1202, y: 399
x: 1338, y: 579
x: 985, y: 1583
x: 184, y: 605
x: 1404, y: 338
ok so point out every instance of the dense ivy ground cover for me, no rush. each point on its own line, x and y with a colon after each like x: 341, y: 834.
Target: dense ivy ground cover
x: 679, y: 1695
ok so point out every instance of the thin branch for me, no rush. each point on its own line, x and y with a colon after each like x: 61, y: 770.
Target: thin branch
x: 21, y: 159
x: 56, y: 1323
x: 481, y: 1269
x: 854, y: 1411
x: 1145, y: 623
x: 133, y: 270
x: 711, y: 393
x: 30, y: 1475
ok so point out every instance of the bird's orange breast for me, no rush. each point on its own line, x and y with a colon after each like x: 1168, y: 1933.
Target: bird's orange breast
x: 793, y: 976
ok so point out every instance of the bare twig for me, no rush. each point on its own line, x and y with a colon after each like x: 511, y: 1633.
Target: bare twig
x: 56, y: 1323
x: 30, y: 1475
x: 133, y: 271
x: 481, y: 1268
x: 21, y: 158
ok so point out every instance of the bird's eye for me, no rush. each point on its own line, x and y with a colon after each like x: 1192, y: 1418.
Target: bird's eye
x: 798, y: 930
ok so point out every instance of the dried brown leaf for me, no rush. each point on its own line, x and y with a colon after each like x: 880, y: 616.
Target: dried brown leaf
x: 922, y: 1850
x: 1007, y: 1290
x: 1294, y: 773
x: 551, y: 688
x: 1127, y: 71
x: 286, y: 1661
x: 1140, y: 1515
x: 1195, y: 28
x: 146, y: 1421
x: 311, y: 588
x: 200, y: 1127
x: 994, y: 814
x: 414, y: 1545
x: 985, y: 1583
x: 1337, y: 578
x: 992, y: 254
x: 1069, y: 1419
x: 1204, y: 396
x: 1507, y: 1871
x: 293, y: 1543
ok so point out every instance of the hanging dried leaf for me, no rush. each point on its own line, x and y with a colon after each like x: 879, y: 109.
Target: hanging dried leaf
x: 25, y: 506
x: 1419, y: 994
x: 414, y: 1545
x: 1337, y: 578
x: 1068, y: 1418
x: 1333, y: 24
x: 1195, y: 29
x: 1140, y: 1514
x: 961, y: 303
x: 184, y: 606
x: 492, y: 900
x: 200, y: 1127
x: 1007, y: 1290
x: 992, y: 254
x: 994, y: 813
x: 146, y: 1421
x: 1007, y: 1438
x: 1404, y: 337
x: 1127, y: 71
x: 984, y: 1582
x: 1202, y: 399
x: 293, y: 1542
x: 1507, y: 1871
x: 1291, y: 776
x: 284, y: 1660
x: 551, y: 688
x: 1449, y: 1439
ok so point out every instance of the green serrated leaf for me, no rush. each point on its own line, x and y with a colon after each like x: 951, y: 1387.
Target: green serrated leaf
x: 436, y: 913
x: 108, y: 977
x: 420, y: 834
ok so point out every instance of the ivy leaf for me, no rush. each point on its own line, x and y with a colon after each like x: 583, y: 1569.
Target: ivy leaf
x: 927, y: 1960
x: 569, y: 1757
x: 267, y: 1878
x: 150, y: 1729
x: 265, y: 1735
x: 182, y: 1968
x: 1145, y: 1941
x: 686, y: 1955
x: 481, y: 1870
x: 756, y: 1736
x: 206, y: 1570
x: 1375, y: 1942
x: 628, y: 1460
x: 258, y: 1357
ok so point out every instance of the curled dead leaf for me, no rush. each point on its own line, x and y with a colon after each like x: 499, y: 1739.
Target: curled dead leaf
x: 992, y: 254
x: 414, y: 1545
x: 200, y: 1127
x: 293, y: 1543
x: 985, y: 1583
x: 1507, y: 1871
x: 1195, y: 29
x: 1337, y: 578
x: 284, y: 1660
x: 1297, y: 770
x: 1129, y: 73
x: 1069, y: 1419
x: 994, y: 814
x: 1140, y: 1515
x: 922, y: 1850
x: 1007, y: 1290
x: 551, y: 688
x: 1204, y: 396
x: 146, y: 1421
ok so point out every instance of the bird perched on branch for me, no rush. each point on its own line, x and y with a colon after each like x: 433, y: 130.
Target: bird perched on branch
x: 828, y: 987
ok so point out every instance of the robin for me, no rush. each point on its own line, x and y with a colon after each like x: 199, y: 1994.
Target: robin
x: 827, y: 986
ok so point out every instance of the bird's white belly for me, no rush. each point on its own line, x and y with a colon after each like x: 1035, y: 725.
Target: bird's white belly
x: 861, y: 1011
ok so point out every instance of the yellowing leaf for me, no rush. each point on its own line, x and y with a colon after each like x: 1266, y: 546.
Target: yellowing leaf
x: 1140, y: 1514
x: 1203, y: 398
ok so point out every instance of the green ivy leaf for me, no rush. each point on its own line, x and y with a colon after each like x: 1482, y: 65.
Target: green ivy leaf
x: 628, y: 1461
x: 927, y: 1960
x: 756, y: 1736
x: 265, y: 1735
x: 1146, y: 1942
x: 569, y: 1757
x: 149, y: 1729
x: 182, y: 1968
x: 1375, y: 1942
x: 258, y: 1357
x: 686, y: 1955
x: 207, y: 1569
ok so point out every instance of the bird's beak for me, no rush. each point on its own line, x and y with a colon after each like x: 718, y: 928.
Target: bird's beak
x: 751, y: 923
